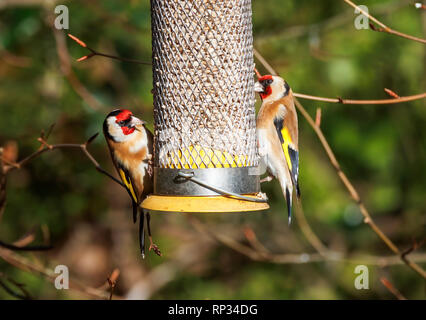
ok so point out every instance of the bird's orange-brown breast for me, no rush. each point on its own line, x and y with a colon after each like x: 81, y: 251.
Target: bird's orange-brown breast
x: 134, y: 162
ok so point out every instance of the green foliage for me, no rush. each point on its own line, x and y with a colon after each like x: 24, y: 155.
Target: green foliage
x: 382, y: 149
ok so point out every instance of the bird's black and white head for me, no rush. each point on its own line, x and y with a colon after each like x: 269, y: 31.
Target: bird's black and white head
x: 272, y: 88
x: 121, y: 125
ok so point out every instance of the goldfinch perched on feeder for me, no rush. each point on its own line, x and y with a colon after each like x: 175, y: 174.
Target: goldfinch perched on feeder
x: 277, y: 134
x: 131, y: 145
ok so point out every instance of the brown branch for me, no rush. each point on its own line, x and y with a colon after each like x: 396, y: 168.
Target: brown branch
x: 383, y: 27
x: 93, y: 53
x: 295, y: 31
x: 2, y: 185
x: 350, y: 188
x: 12, y: 292
x: 254, y: 242
x: 27, y: 265
x: 393, y: 94
x: 414, y: 247
x: 260, y: 253
x: 23, y: 295
x: 351, y: 101
x: 392, y: 289
x: 112, y: 281
x: 67, y: 71
x: 49, y: 147
x: 271, y: 71
x: 4, y: 170
x: 318, y: 117
x: 27, y: 3
x: 26, y: 248
x: 309, y: 233
x: 14, y: 60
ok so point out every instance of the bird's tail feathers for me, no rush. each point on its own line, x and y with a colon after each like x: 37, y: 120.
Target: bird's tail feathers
x: 135, y: 211
x: 142, y: 233
x: 289, y: 204
x: 297, y: 190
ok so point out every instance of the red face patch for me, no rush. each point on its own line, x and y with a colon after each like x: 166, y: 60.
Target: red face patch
x: 265, y: 81
x: 124, y: 117
x: 267, y: 92
x: 267, y: 77
x: 127, y: 130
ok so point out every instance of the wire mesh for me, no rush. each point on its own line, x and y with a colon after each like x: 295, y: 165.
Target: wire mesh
x: 203, y: 84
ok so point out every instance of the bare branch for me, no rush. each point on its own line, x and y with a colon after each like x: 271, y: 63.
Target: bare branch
x: 67, y: 71
x: 271, y: 71
x: 12, y: 292
x: 96, y: 53
x: 392, y: 289
x: 48, y: 147
x: 261, y: 253
x: 26, y: 265
x: 351, y: 189
x: 26, y: 248
x: 318, y: 117
x: 383, y: 27
x: 351, y: 101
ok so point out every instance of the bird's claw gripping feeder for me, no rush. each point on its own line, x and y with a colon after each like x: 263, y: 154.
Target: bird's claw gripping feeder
x: 205, y: 146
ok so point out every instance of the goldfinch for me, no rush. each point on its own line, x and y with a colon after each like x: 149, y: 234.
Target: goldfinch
x: 131, y: 147
x: 277, y: 135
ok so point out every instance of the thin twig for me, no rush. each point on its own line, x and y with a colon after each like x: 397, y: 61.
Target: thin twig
x: 254, y: 242
x: 96, y: 53
x: 265, y: 255
x: 392, y: 289
x: 49, y: 147
x: 67, y: 71
x: 318, y: 117
x: 271, y: 71
x: 350, y: 188
x: 384, y: 28
x: 111, y: 282
x: 334, y: 22
x: 26, y: 248
x: 308, y: 232
x: 351, y: 101
x: 2, y: 185
x: 12, y: 292
x: 45, y: 146
x: 26, y: 265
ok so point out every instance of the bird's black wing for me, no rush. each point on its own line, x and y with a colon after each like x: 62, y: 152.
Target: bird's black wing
x: 128, y: 182
x: 291, y: 154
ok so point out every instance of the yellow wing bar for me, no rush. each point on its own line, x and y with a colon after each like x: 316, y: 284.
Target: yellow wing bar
x: 128, y: 184
x: 287, y: 140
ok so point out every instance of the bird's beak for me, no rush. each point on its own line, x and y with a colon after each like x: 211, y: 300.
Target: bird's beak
x: 136, y: 122
x: 258, y: 87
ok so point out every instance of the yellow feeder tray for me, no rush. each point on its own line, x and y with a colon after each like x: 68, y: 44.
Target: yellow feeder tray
x: 204, y: 180
x: 209, y: 204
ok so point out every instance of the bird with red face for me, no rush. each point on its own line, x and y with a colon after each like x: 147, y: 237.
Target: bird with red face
x: 277, y: 135
x: 131, y: 147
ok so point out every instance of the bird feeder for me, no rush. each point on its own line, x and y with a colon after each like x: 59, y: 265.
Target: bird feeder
x: 205, y: 150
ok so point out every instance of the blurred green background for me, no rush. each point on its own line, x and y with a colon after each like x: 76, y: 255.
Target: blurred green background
x: 315, y: 47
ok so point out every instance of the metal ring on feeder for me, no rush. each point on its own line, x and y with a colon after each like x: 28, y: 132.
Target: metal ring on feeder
x: 205, y: 155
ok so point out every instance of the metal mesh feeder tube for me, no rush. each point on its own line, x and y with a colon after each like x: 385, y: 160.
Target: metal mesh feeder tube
x: 205, y: 129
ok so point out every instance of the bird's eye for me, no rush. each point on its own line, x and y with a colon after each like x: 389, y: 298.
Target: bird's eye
x: 124, y: 122
x: 267, y: 82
